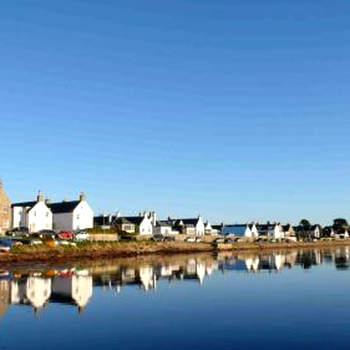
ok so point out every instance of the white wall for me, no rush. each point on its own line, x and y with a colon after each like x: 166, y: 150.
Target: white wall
x: 18, y: 217
x: 83, y: 216
x: 146, y: 227
x: 200, y: 227
x: 80, y: 219
x: 163, y: 230
x: 39, y: 218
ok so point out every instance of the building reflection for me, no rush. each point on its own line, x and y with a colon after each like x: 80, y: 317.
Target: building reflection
x: 74, y: 287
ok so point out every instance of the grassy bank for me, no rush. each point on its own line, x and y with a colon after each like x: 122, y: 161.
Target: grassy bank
x: 95, y: 250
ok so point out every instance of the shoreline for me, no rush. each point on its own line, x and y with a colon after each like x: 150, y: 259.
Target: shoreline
x: 108, y: 250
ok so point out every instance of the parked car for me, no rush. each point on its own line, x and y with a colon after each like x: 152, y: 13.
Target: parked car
x: 18, y: 232
x: 229, y: 240
x: 199, y: 239
x: 65, y: 235
x: 45, y: 234
x: 28, y: 241
x: 81, y: 236
x: 157, y: 238
x: 6, y: 245
x: 169, y: 239
x: 190, y: 239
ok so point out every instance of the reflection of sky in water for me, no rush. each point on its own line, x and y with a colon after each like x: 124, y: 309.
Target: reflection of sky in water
x: 289, y: 300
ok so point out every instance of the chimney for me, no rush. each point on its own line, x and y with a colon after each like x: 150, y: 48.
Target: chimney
x: 154, y: 218
x: 40, y: 197
x: 82, y: 196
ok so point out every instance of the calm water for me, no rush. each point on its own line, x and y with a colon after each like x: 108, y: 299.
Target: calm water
x: 272, y: 300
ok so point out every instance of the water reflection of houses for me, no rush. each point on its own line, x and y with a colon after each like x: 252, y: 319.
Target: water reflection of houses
x: 342, y: 258
x: 37, y: 290
x: 74, y: 287
x: 259, y: 263
x: 31, y: 290
x: 147, y: 275
x: 74, y: 290
x: 4, y: 293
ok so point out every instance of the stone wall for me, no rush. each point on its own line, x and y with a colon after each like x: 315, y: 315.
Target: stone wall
x: 5, y: 211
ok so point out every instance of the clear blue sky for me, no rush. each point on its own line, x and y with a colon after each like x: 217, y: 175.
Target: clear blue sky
x: 237, y: 110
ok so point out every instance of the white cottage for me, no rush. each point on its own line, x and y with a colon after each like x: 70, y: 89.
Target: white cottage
x: 72, y: 215
x: 274, y: 231
x: 142, y: 224
x: 35, y: 216
x: 193, y: 226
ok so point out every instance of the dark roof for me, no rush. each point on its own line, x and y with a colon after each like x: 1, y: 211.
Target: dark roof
x: 136, y: 220
x: 265, y: 227
x: 103, y: 220
x: 164, y: 223
x: 186, y: 222
x: 24, y: 204
x: 63, y: 207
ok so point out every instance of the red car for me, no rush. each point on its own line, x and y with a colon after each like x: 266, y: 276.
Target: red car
x: 65, y: 235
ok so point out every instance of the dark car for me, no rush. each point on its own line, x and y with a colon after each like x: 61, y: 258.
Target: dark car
x: 169, y: 239
x: 48, y: 234
x: 18, y: 232
x: 229, y: 240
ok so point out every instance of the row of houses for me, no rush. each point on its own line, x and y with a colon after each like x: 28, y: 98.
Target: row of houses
x: 146, y: 223
x: 279, y: 231
x: 271, y: 230
x: 42, y: 214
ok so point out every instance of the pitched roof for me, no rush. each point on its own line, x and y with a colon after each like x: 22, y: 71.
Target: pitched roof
x: 163, y: 223
x: 136, y: 220
x: 234, y: 229
x: 63, y: 207
x: 24, y: 204
x: 186, y: 222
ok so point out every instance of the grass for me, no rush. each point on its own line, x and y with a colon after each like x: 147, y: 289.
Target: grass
x: 98, y: 249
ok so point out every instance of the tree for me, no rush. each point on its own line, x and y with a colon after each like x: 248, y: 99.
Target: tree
x: 340, y: 223
x: 305, y: 223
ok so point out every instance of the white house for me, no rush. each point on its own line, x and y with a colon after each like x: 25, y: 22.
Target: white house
x: 164, y: 227
x: 142, y: 224
x: 274, y: 231
x: 72, y: 215
x: 254, y: 230
x: 193, y: 226
x: 75, y: 289
x: 35, y: 216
